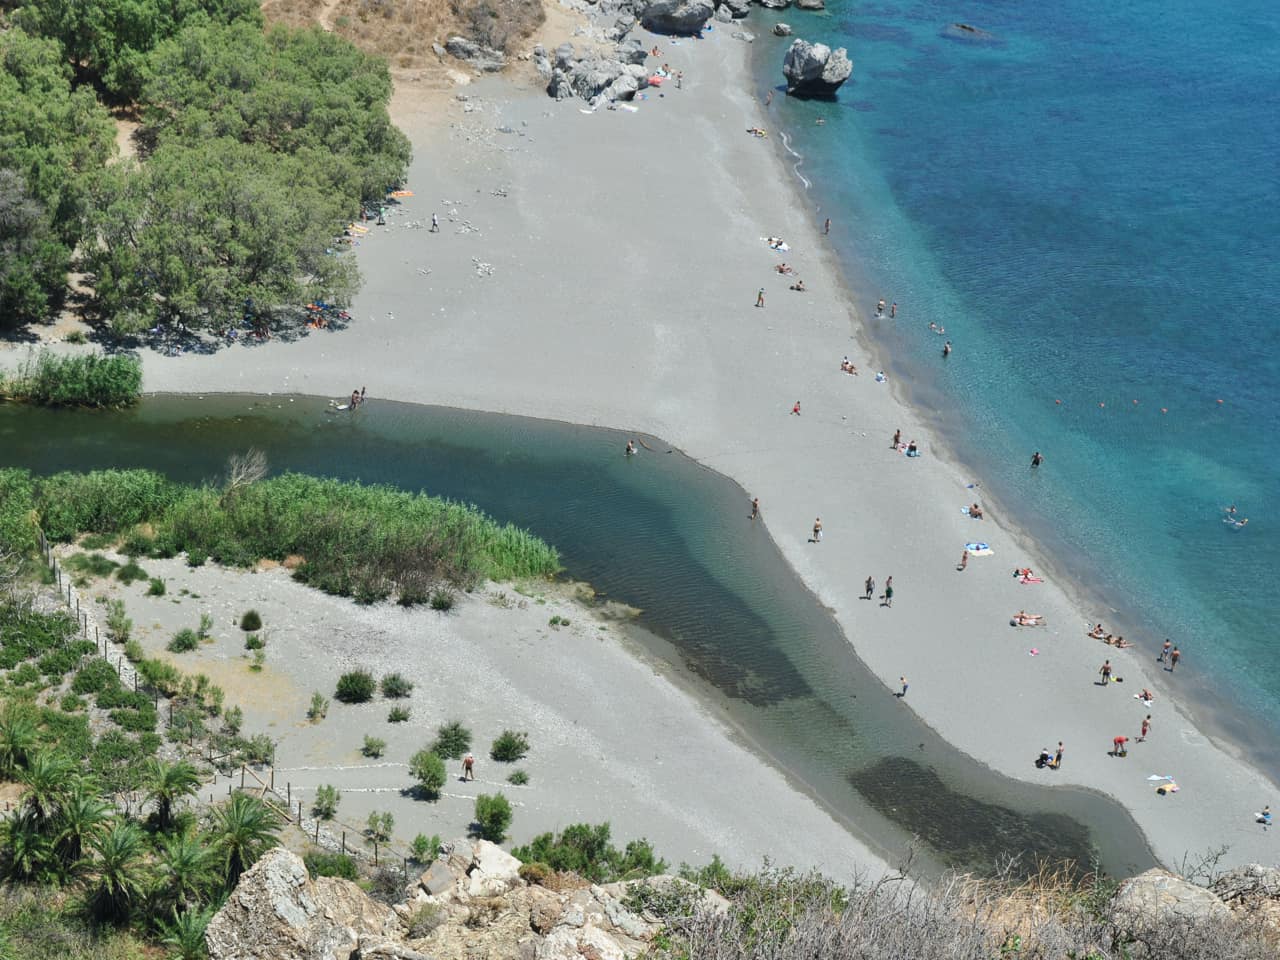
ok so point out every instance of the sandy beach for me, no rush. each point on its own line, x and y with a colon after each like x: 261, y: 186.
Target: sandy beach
x: 603, y: 268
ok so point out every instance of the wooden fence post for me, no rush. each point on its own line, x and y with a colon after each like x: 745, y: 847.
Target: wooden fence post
x: 344, y: 841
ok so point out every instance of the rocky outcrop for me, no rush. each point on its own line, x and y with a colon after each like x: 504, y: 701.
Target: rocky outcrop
x: 596, y: 78
x: 683, y: 17
x: 811, y: 4
x: 1158, y: 896
x: 277, y: 912
x: 475, y: 54
x: 782, y: 29
x: 739, y: 8
x: 814, y: 69
x: 774, y: 4
x: 1252, y: 893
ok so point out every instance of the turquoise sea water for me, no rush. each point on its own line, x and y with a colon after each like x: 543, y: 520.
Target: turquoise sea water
x: 1090, y: 205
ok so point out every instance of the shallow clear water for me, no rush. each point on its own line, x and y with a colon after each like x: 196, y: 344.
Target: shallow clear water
x: 1088, y: 206
x: 660, y: 533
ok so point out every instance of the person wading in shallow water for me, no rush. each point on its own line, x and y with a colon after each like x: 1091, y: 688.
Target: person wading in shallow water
x: 755, y: 508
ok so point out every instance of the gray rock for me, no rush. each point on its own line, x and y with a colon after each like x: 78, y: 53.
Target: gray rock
x: 438, y: 50
x: 814, y: 69
x: 559, y: 87
x: 1252, y: 892
x: 811, y: 4
x: 437, y: 878
x: 564, y: 56
x: 624, y: 88
x: 739, y: 8
x: 476, y: 54
x: 782, y: 29
x: 539, y: 50
x: 683, y: 17
x: 1157, y: 897
x: 774, y: 4
x: 543, y: 66
x: 723, y: 15
x: 744, y: 37
x: 631, y: 52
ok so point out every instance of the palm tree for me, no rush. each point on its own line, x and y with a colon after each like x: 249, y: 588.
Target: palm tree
x: 183, y: 874
x: 186, y: 934
x: 18, y: 737
x: 82, y: 816
x: 119, y: 877
x: 28, y: 850
x: 167, y: 783
x: 245, y: 827
x: 47, y: 778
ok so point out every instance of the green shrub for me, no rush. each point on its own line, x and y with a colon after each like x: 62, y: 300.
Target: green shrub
x: 259, y: 661
x: 319, y: 708
x: 138, y: 544
x: 535, y: 873
x: 94, y: 676
x: 380, y: 825
x: 518, y: 777
x: 80, y: 380
x: 102, y: 501
x: 98, y: 541
x: 90, y: 564
x: 130, y: 573
x: 510, y: 746
x: 260, y: 748
x: 424, y: 920
x: 585, y: 850
x: 233, y: 720
x: 183, y: 641
x: 254, y: 641
x: 326, y: 802
x: 251, y: 622
x: 493, y: 817
x: 70, y: 703
x: 133, y: 651
x: 452, y: 740
x: 442, y: 600
x: 321, y: 863
x: 358, y: 686
x: 205, y: 628
x: 27, y: 674
x: 424, y: 849
x: 119, y: 626
x: 135, y: 721
x: 428, y: 769
x: 156, y: 588
x: 58, y: 663
x: 196, y: 558
x: 395, y: 686
x: 398, y: 715
x: 373, y: 746
x: 160, y: 675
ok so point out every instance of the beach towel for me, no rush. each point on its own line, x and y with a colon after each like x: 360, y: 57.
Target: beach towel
x: 977, y: 545
x: 400, y: 193
x: 1031, y: 580
x: 629, y: 108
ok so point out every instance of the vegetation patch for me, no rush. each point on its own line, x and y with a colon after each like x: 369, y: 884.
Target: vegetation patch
x: 586, y: 850
x: 81, y: 380
x: 452, y: 740
x: 510, y: 746
x: 357, y: 686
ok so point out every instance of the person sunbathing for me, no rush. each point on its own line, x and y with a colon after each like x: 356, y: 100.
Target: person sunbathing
x: 975, y: 511
x: 847, y: 367
x: 1097, y: 632
x: 1121, y: 643
x: 798, y: 286
x: 1024, y: 619
x: 1146, y: 695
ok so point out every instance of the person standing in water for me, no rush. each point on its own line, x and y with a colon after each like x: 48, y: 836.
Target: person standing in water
x: 1036, y: 460
x: 880, y: 308
x: 826, y: 228
x: 946, y: 349
x: 631, y: 448
x: 893, y: 310
x: 755, y: 508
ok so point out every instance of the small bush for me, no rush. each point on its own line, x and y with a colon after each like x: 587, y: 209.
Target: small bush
x: 183, y: 641
x: 196, y: 559
x: 159, y: 675
x: 442, y: 600
x: 357, y: 686
x: 90, y: 564
x: 259, y: 661
x: 452, y: 740
x: 493, y: 817
x: 71, y: 703
x: 254, y: 641
x: 373, y: 746
x: 586, y: 850
x: 137, y: 545
x: 321, y: 863
x: 251, y: 622
x: 326, y: 802
x: 133, y: 651
x: 232, y: 721
x: 380, y: 825
x: 135, y: 721
x: 424, y: 849
x: 395, y: 686
x: 398, y: 715
x: 319, y: 708
x: 510, y: 746
x: 130, y: 573
x: 423, y: 921
x: 94, y: 676
x: 259, y: 749
x: 537, y: 873
x: 205, y: 628
x: 119, y: 626
x: 98, y: 541
x: 156, y: 588
x: 518, y: 777
x: 428, y: 769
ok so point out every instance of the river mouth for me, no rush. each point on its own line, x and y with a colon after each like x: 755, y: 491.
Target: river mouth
x: 719, y: 606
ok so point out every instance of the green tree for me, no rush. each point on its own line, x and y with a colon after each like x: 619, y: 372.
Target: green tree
x: 47, y: 779
x: 244, y: 827
x: 166, y: 784
x: 183, y: 871
x: 28, y: 850
x: 428, y: 769
x: 82, y: 817
x: 18, y: 738
x: 493, y: 816
x: 33, y: 262
x: 118, y: 878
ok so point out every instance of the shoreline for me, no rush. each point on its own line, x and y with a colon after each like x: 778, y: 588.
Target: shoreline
x: 703, y: 412
x: 1208, y: 704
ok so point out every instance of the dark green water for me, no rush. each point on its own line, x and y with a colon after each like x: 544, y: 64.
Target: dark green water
x: 661, y: 533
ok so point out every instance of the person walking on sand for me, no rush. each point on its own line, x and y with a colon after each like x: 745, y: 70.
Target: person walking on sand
x: 1164, y: 651
x: 468, y: 767
x: 1146, y: 728
x: 870, y: 587
x: 964, y: 559
x: 795, y: 410
x: 1174, y: 657
x: 826, y: 228
x: 888, y: 593
x: 897, y: 440
x: 755, y: 508
x: 435, y: 223
x: 760, y: 297
x: 1106, y: 672
x: 1036, y: 460
x: 817, y: 530
x: 903, y: 681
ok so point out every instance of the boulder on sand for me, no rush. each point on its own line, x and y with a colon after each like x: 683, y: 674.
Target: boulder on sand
x: 811, y: 4
x: 782, y: 30
x: 814, y: 69
x: 685, y: 17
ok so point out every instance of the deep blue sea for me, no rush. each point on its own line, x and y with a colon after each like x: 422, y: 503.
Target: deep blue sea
x: 1090, y: 205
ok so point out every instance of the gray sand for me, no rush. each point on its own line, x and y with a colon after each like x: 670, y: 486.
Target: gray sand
x: 602, y: 269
